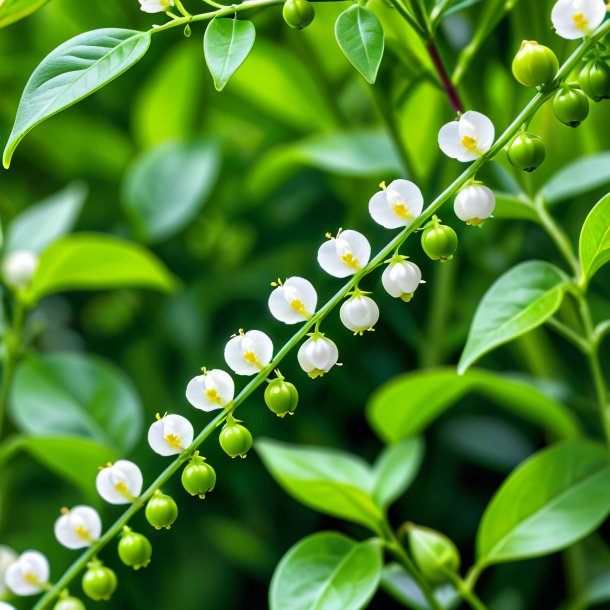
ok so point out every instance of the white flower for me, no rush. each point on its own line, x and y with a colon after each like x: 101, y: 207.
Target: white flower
x: 317, y: 355
x: 119, y: 483
x: 577, y: 18
x: 212, y: 390
x: 359, y: 313
x: 401, y: 278
x: 7, y: 557
x: 155, y: 6
x: 467, y: 138
x: 28, y: 575
x: 78, y: 528
x: 396, y: 205
x: 18, y: 268
x: 249, y: 353
x: 5, y: 606
x: 293, y: 301
x: 474, y: 204
x: 345, y: 254
x: 170, y: 435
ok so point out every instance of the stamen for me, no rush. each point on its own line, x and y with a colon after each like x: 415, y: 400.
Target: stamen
x: 470, y: 143
x: 350, y: 261
x: 250, y: 357
x: 81, y: 532
x: 31, y: 578
x: 329, y: 235
x: 581, y: 22
x: 212, y: 395
x: 173, y: 440
x: 122, y: 489
x: 382, y: 185
x: 65, y: 510
x: 299, y: 307
x: 402, y: 210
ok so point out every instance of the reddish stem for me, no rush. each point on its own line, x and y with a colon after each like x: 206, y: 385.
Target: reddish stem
x: 450, y: 90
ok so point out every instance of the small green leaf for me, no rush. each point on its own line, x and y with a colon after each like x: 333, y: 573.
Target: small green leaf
x: 14, y: 10
x: 226, y: 44
x: 165, y: 187
x: 522, y: 299
x: 71, y: 72
x: 360, y: 36
x: 66, y: 394
x: 89, y: 261
x: 327, y: 571
x: 327, y: 480
x: 552, y: 500
x: 594, y: 246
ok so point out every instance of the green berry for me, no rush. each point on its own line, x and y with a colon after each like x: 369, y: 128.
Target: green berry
x: 281, y: 397
x: 235, y: 439
x: 594, y: 79
x: 99, y: 582
x: 298, y: 14
x: 526, y: 152
x: 571, y: 106
x: 134, y: 549
x: 198, y: 478
x: 535, y: 65
x: 69, y: 603
x: 439, y: 241
x: 434, y: 554
x: 161, y: 511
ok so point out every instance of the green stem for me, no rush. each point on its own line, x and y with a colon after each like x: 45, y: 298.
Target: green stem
x: 409, y: 18
x: 570, y: 335
x: 468, y: 595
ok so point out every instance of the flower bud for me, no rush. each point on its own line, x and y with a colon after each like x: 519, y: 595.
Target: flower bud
x: 8, y: 556
x: 535, y: 65
x: 434, y: 554
x: 99, y: 582
x: 78, y: 528
x: 66, y: 602
x: 198, y: 478
x: 235, y: 439
x: 594, y: 79
x: 298, y: 14
x: 281, y: 397
x: 359, y: 313
x: 474, y: 204
x: 317, y: 355
x: 571, y: 106
x: 526, y: 152
x: 29, y: 574
x: 134, y: 549
x: 401, y: 278
x: 161, y: 511
x: 18, y: 268
x: 439, y: 241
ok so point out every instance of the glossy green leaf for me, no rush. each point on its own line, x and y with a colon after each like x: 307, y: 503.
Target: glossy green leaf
x: 89, y: 261
x: 407, y: 404
x: 166, y: 187
x: 514, y: 207
x: 226, y: 45
x: 594, y: 246
x: 361, y: 39
x: 14, y: 10
x: 327, y: 480
x: 39, y: 225
x: 73, y: 71
x: 69, y: 394
x: 522, y: 299
x: 327, y: 571
x: 552, y: 500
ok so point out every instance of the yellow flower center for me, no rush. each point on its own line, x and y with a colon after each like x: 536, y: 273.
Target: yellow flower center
x: 31, y: 578
x: 81, y: 532
x: 250, y: 357
x: 402, y: 210
x: 350, y: 261
x: 299, y: 307
x: 470, y: 143
x: 122, y: 489
x: 580, y: 21
x: 173, y: 440
x: 212, y: 395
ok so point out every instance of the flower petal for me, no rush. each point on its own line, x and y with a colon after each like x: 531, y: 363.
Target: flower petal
x: 359, y: 245
x: 477, y: 125
x: 449, y: 140
x: 330, y: 262
x: 411, y: 196
x: 381, y: 212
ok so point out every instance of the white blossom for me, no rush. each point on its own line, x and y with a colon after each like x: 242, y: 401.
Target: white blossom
x: 359, y: 313
x: 474, y: 204
x: 7, y: 557
x: 213, y: 390
x: 170, y: 435
x: 5, y: 606
x: 119, y: 483
x: 345, y: 254
x: 247, y: 353
x: 401, y: 278
x: 396, y: 205
x: 29, y: 575
x: 155, y: 6
x: 293, y: 301
x: 78, y: 528
x: 18, y: 268
x: 577, y: 18
x: 467, y: 138
x: 317, y: 355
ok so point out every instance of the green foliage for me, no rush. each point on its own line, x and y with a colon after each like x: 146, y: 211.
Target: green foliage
x: 14, y: 10
x: 594, y: 245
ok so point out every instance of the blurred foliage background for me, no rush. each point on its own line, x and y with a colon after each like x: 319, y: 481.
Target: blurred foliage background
x: 291, y: 149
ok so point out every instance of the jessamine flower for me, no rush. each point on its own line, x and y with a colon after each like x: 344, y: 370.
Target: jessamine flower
x: 293, y: 301
x: 247, y: 353
x: 359, y: 313
x: 317, y: 355
x: 18, y: 268
x: 396, y: 205
x: 29, y: 575
x: 574, y: 19
x: 401, y: 278
x: 155, y: 6
x: 170, y: 435
x: 7, y: 557
x: 119, y: 483
x: 474, y: 204
x: 467, y: 138
x: 213, y: 390
x: 345, y: 254
x: 78, y: 527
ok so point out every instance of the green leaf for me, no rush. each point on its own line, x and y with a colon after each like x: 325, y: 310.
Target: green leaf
x: 552, y: 500
x: 327, y: 480
x: 226, y: 44
x: 514, y: 207
x: 326, y: 571
x: 69, y: 394
x: 166, y: 187
x: 361, y: 39
x: 89, y: 261
x: 407, y: 404
x: 14, y: 10
x: 37, y: 226
x: 71, y: 72
x: 594, y: 246
x: 395, y: 469
x: 577, y: 178
x: 522, y: 299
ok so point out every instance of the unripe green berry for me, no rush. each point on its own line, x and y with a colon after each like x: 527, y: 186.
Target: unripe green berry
x: 535, y: 65
x: 281, y: 397
x: 235, y: 439
x: 161, y: 511
x: 526, y: 152
x: 571, y: 106
x: 434, y: 554
x: 198, y: 478
x: 134, y: 549
x: 439, y: 241
x: 99, y: 582
x: 69, y: 603
x: 594, y: 79
x: 298, y: 14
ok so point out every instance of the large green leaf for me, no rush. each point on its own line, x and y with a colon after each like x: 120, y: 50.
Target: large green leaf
x: 166, y: 186
x: 555, y: 498
x: 73, y: 71
x: 326, y: 480
x: 361, y: 39
x: 37, y: 226
x: 226, y: 44
x: 594, y: 246
x: 327, y: 571
x: 514, y: 207
x: 14, y: 10
x: 522, y: 299
x: 407, y: 404
x: 88, y: 261
x: 69, y: 394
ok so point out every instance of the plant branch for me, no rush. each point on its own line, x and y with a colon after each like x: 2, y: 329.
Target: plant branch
x: 448, y: 86
x: 466, y: 592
